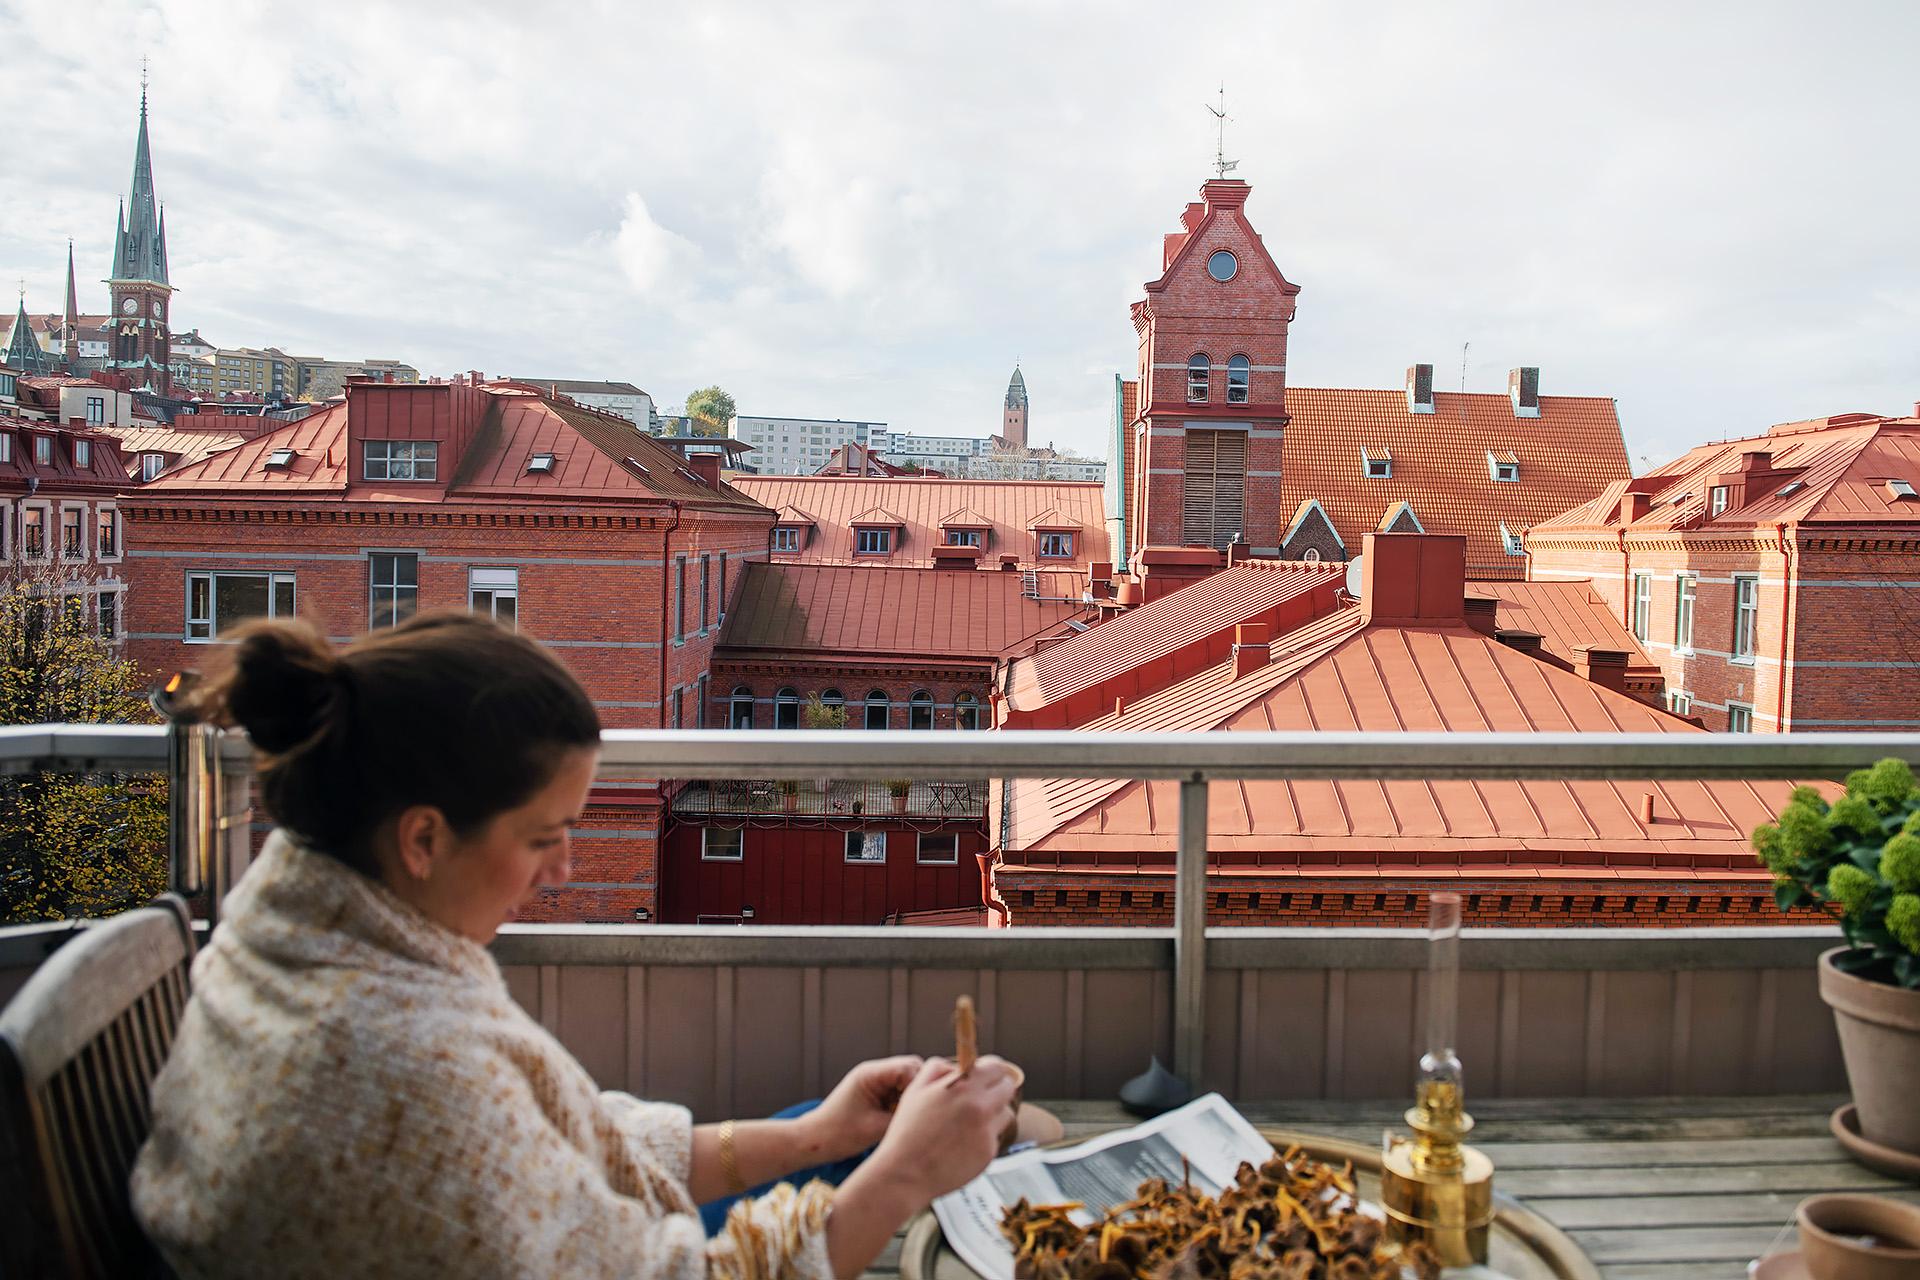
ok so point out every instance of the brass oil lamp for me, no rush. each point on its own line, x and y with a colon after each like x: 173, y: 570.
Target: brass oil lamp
x: 1433, y: 1186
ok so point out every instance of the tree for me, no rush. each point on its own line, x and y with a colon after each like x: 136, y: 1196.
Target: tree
x: 710, y: 410
x: 70, y: 845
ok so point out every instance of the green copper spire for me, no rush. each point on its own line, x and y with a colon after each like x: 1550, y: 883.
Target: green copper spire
x: 139, y: 243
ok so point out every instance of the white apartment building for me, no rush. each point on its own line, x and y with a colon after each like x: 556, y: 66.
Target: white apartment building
x: 947, y: 454
x: 801, y: 446
x: 1000, y: 466
x: 620, y: 398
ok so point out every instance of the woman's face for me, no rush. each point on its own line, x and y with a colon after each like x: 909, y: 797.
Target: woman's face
x: 485, y: 878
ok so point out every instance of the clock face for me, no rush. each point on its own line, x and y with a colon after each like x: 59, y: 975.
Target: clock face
x: 158, y: 311
x: 130, y: 305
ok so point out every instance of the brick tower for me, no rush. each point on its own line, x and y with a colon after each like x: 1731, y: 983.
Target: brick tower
x: 1213, y: 384
x: 141, y: 293
x: 1013, y: 424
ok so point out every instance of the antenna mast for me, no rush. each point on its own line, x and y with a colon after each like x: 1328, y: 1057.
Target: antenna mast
x: 1221, y: 165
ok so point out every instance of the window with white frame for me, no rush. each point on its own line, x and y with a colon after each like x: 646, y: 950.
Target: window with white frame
x: 1746, y: 617
x: 1511, y: 540
x: 6, y: 446
x: 1378, y: 464
x: 1717, y: 499
x: 1503, y: 467
x: 83, y: 453
x: 73, y: 533
x: 1056, y: 546
x: 740, y: 708
x: 1199, y: 379
x: 722, y: 844
x: 1642, y: 604
x: 868, y: 847
x: 107, y: 521
x: 1239, y: 380
x: 402, y: 459
x: 786, y: 708
x: 107, y: 614
x: 152, y: 464
x: 393, y: 579
x: 496, y: 594
x: 1739, y: 718
x: 1681, y: 704
x: 43, y: 450
x: 879, y: 709
x: 920, y: 711
x: 937, y: 850
x: 1685, y: 587
x: 873, y: 542
x: 33, y: 532
x: 217, y: 602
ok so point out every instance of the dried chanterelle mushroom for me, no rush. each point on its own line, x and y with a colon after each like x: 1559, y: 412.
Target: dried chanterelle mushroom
x: 1293, y: 1218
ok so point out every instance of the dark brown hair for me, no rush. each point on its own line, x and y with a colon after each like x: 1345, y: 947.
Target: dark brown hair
x: 448, y: 710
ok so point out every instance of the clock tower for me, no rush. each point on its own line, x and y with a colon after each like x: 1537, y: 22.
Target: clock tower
x: 142, y: 297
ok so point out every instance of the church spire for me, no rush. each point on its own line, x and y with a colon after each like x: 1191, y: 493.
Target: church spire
x: 70, y: 322
x: 139, y: 253
x: 23, y: 353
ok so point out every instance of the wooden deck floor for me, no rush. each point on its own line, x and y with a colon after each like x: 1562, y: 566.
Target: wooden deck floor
x: 1651, y: 1188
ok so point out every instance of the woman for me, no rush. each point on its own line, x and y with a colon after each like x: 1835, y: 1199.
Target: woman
x: 354, y: 1093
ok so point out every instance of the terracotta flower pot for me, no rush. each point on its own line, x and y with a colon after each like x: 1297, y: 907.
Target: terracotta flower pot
x: 899, y: 804
x: 1880, y: 1040
x: 1834, y: 1231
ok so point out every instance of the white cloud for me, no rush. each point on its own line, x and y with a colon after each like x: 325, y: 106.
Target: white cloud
x: 652, y: 256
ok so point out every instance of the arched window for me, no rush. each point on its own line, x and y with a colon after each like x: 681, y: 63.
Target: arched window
x: 879, y: 709
x: 786, y: 709
x: 1311, y: 555
x: 740, y: 708
x: 966, y: 712
x: 1199, y: 379
x: 920, y: 711
x: 1239, y: 380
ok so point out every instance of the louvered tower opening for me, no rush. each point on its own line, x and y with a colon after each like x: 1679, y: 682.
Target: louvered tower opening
x: 1214, y: 504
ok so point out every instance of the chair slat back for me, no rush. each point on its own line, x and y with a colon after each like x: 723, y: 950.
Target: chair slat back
x: 80, y: 1045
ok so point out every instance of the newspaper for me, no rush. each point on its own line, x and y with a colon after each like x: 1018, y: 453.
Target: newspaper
x: 1204, y: 1141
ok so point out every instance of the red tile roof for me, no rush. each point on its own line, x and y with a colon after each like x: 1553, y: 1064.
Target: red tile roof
x: 1566, y: 615
x: 1008, y: 506
x: 597, y: 457
x: 1180, y: 620
x: 1839, y: 467
x: 1568, y: 454
x: 886, y: 612
x: 1340, y: 674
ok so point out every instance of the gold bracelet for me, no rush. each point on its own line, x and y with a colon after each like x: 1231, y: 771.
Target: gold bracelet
x: 729, y: 1168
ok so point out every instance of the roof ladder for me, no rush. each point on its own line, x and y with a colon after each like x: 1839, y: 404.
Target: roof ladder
x: 1030, y: 583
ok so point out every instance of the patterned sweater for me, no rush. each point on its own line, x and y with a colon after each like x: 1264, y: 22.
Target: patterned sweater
x: 354, y: 1093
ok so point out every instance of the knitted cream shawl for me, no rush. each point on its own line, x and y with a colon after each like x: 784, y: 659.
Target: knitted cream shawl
x: 354, y: 1093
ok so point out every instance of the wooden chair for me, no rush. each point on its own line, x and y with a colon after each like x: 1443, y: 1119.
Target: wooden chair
x: 79, y: 1048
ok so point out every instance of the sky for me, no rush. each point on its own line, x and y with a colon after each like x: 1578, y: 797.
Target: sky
x: 871, y: 211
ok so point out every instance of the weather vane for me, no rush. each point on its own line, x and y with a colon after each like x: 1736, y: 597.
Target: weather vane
x: 1221, y: 164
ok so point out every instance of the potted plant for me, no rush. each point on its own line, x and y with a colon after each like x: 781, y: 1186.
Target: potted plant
x: 898, y: 788
x: 789, y: 794
x: 1859, y: 860
x: 817, y: 713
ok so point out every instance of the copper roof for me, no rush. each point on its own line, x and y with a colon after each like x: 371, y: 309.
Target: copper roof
x: 1340, y: 674
x: 863, y: 612
x: 1179, y: 620
x: 1008, y: 507
x: 104, y: 474
x: 1826, y: 471
x: 185, y: 446
x: 1565, y: 615
x: 597, y: 456
x: 1566, y: 455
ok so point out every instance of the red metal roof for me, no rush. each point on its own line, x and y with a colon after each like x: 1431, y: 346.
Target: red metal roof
x: 900, y: 612
x: 104, y: 474
x: 1565, y: 615
x: 1340, y: 674
x: 1568, y: 454
x: 184, y: 446
x: 1839, y: 467
x: 1008, y: 507
x: 1173, y: 622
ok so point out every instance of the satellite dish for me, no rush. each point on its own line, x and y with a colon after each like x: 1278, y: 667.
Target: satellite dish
x: 1353, y: 577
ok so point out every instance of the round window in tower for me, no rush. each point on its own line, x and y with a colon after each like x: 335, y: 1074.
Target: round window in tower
x: 1222, y: 265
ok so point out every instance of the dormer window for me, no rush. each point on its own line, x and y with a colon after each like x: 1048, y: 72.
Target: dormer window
x: 1503, y: 467
x: 786, y: 538
x: 402, y: 460
x: 1898, y: 489
x: 43, y: 450
x: 152, y: 464
x: 963, y: 537
x: 1378, y: 463
x: 1511, y: 540
x: 83, y: 453
x: 6, y: 446
x: 540, y: 464
x: 1717, y: 498
x: 1239, y: 380
x: 1199, y: 379
x: 873, y: 542
x: 280, y: 459
x: 1056, y: 546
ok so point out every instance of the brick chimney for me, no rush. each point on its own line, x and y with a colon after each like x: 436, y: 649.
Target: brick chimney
x: 1483, y: 614
x: 1420, y: 388
x: 1252, y: 647
x: 1523, y: 389
x: 1413, y: 577
x: 1604, y: 667
x: 1527, y: 642
x: 707, y: 467
x: 1634, y: 506
x: 1238, y: 552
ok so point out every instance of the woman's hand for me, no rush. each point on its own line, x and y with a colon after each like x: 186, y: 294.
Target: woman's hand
x: 855, y: 1116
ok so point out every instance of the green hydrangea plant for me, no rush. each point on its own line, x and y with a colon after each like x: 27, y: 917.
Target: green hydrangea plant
x: 1858, y: 858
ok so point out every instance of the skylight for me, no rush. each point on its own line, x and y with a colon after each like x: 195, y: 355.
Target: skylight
x: 1792, y: 487
x: 1900, y: 489
x: 540, y: 463
x: 281, y: 458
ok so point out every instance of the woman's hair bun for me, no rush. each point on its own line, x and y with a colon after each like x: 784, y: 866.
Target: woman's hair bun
x: 286, y: 685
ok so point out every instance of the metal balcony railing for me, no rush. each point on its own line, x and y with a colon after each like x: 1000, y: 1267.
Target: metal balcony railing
x: 210, y: 817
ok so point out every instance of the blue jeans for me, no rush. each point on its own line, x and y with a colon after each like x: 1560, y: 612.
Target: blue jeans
x: 713, y: 1214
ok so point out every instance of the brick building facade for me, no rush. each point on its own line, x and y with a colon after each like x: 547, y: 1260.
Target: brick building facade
x: 61, y: 527
x: 1775, y: 579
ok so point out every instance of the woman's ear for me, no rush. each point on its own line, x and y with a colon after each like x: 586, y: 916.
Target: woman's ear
x: 425, y: 838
